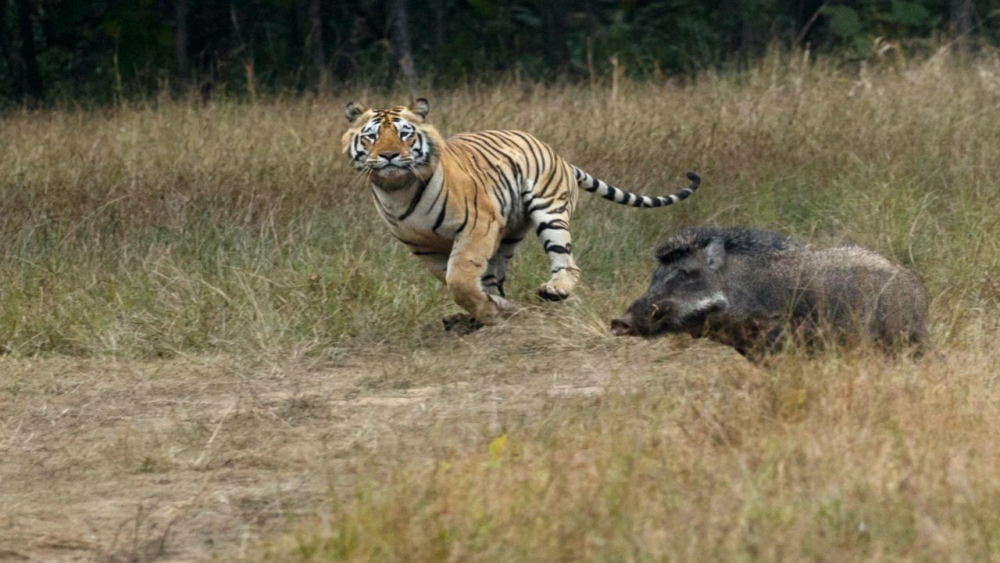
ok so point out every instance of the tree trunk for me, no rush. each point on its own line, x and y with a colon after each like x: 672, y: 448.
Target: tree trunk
x: 316, y: 49
x: 402, y: 50
x: 554, y: 16
x: 32, y: 76
x: 961, y: 23
x: 7, y: 52
x: 181, y: 42
x: 731, y: 28
x: 440, y: 9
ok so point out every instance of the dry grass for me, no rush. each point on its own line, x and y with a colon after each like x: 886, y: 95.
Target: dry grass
x: 183, y: 459
x: 167, y: 230
x: 163, y: 229
x: 833, y: 460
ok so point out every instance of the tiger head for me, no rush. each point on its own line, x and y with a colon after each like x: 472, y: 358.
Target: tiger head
x: 393, y: 146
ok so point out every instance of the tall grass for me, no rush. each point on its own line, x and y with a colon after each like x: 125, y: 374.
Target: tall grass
x: 168, y: 228
x: 843, y: 459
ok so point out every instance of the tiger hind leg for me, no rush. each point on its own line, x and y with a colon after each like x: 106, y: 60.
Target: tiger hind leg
x: 552, y: 227
x: 496, y: 272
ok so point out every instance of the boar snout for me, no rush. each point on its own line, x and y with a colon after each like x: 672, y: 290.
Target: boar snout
x: 623, y: 326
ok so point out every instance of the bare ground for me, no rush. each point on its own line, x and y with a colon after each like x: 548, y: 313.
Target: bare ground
x: 187, y: 459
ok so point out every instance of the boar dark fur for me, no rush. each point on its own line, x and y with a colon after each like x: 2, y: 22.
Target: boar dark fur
x: 754, y: 290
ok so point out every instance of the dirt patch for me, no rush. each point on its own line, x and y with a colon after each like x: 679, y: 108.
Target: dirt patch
x: 184, y: 459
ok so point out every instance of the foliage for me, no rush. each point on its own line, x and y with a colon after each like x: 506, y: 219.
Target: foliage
x: 96, y: 50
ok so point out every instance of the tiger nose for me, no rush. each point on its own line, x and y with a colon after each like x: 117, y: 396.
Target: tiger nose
x: 388, y: 155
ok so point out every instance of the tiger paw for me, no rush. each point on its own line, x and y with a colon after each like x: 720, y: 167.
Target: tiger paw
x: 461, y: 323
x: 561, y: 284
x: 551, y: 292
x: 503, y: 307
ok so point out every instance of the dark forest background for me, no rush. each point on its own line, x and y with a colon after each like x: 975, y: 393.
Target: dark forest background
x: 97, y: 50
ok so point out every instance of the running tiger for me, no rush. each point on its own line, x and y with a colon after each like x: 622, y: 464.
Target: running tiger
x: 461, y: 205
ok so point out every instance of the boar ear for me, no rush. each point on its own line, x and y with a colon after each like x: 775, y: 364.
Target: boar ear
x: 354, y: 110
x: 715, y: 255
x: 421, y: 107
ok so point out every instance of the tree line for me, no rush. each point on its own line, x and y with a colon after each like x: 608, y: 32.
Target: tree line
x: 94, y: 50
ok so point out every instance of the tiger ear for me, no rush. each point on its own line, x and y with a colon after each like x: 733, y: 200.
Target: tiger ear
x: 420, y: 106
x: 354, y: 110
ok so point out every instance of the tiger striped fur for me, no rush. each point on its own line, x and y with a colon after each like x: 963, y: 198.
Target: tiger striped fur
x: 463, y: 204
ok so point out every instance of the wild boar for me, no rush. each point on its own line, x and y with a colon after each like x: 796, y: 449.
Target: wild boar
x: 753, y: 290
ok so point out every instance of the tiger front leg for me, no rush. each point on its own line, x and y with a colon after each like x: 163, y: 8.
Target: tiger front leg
x: 469, y: 260
x: 436, y: 262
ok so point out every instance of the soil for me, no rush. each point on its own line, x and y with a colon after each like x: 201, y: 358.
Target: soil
x: 186, y: 459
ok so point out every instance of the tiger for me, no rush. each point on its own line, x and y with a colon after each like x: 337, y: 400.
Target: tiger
x: 462, y: 204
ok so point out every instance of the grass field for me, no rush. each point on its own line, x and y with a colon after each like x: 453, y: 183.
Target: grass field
x: 208, y: 291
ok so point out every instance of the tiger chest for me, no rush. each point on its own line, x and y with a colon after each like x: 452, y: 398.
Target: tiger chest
x: 418, y: 233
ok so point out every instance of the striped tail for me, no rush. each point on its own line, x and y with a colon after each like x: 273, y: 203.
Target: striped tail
x: 618, y: 195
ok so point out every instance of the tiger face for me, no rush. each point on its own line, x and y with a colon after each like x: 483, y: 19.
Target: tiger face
x: 392, y: 146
